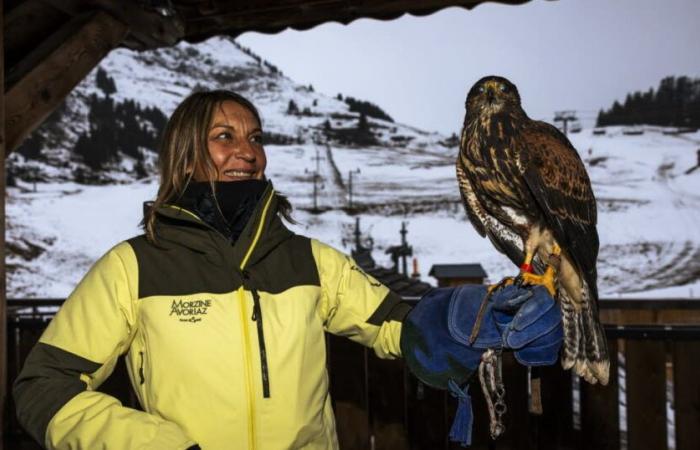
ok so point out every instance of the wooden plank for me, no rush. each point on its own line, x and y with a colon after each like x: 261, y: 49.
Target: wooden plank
x: 426, y: 422
x: 3, y: 290
x: 26, y: 26
x: 646, y: 394
x: 148, y: 27
x: 387, y: 403
x: 349, y: 392
x: 521, y: 431
x: 31, y: 99
x: 663, y: 316
x: 686, y: 387
x: 649, y: 303
x: 555, y: 425
x: 600, y: 409
x: 22, y: 339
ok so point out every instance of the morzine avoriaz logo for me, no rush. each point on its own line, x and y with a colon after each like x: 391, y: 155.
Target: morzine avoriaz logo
x: 190, y: 311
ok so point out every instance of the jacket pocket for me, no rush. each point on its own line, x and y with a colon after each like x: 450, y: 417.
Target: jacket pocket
x: 141, y: 377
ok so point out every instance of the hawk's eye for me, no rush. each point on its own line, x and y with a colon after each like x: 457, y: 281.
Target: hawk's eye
x: 481, y: 89
x: 503, y: 88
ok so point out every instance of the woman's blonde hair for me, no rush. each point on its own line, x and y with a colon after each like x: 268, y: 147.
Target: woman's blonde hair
x: 184, y: 149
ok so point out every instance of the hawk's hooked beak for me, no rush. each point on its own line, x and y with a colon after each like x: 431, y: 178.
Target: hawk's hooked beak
x: 490, y: 95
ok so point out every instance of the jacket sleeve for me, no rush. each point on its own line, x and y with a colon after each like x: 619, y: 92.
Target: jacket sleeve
x: 55, y: 391
x: 355, y: 305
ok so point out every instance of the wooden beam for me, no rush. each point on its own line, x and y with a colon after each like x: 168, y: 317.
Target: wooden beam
x: 31, y: 99
x: 148, y: 27
x: 26, y: 26
x: 3, y: 290
x: 235, y: 18
x: 646, y: 394
x: 600, y: 409
x: 686, y: 367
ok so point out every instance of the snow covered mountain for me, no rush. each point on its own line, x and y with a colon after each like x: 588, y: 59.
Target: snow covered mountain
x: 649, y: 208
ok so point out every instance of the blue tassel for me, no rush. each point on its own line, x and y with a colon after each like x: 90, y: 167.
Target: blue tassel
x: 461, y: 430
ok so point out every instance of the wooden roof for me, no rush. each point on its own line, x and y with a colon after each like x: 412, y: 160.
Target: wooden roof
x: 157, y: 23
x: 475, y: 270
x: 407, y: 288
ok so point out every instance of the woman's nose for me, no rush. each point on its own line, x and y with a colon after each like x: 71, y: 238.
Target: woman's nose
x: 245, y: 151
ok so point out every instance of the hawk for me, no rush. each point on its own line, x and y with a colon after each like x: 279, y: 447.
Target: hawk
x: 524, y: 186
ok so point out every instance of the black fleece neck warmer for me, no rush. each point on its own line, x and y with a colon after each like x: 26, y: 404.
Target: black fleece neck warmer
x: 236, y: 200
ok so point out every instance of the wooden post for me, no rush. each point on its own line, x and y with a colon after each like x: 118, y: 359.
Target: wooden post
x: 386, y: 403
x: 646, y: 394
x: 57, y: 70
x: 3, y: 291
x: 600, y: 416
x: 686, y: 369
x: 521, y: 431
x: 426, y: 422
x: 349, y: 392
x: 555, y: 427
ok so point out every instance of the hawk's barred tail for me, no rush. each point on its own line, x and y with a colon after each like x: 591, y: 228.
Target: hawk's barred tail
x: 585, y: 346
x: 596, y: 350
x: 571, y: 331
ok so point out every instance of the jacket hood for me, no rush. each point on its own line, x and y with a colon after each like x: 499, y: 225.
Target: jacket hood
x: 263, y: 232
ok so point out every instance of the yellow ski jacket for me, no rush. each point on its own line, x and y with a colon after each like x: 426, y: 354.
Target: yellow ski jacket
x: 224, y: 343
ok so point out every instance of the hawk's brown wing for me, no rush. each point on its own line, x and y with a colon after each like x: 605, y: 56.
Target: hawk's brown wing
x: 557, y: 178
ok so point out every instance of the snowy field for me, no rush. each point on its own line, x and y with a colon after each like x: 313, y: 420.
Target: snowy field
x: 649, y: 211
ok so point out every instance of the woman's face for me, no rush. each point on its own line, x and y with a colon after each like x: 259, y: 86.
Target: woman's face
x: 234, y: 141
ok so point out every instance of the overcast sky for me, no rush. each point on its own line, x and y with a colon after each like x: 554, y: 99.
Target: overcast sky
x: 566, y: 54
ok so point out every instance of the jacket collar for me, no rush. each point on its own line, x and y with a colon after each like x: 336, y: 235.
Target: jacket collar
x: 263, y: 232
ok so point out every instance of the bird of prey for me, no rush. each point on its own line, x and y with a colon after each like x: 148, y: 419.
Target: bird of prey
x: 524, y: 186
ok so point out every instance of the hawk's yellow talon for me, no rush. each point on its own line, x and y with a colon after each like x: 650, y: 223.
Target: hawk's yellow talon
x: 546, y: 280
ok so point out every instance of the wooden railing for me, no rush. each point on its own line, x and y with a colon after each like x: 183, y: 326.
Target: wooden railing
x: 379, y: 405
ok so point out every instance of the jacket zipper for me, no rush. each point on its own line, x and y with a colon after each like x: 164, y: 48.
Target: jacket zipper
x: 258, y: 319
x: 244, y: 322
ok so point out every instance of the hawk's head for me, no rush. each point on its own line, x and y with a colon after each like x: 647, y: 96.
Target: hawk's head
x: 490, y: 95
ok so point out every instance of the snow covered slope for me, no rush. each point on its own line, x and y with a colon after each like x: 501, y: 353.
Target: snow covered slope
x: 649, y: 209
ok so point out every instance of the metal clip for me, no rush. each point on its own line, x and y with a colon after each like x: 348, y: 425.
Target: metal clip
x: 491, y: 379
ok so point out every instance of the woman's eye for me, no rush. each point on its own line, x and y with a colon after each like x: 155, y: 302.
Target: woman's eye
x: 223, y: 136
x: 257, y: 138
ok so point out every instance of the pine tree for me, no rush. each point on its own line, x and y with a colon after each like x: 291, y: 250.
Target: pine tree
x: 31, y: 147
x: 85, y: 148
x: 105, y: 83
x: 140, y: 169
x: 362, y: 124
x: 292, y: 108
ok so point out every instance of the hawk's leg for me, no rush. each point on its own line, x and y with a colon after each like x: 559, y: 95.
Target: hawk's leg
x: 548, y: 278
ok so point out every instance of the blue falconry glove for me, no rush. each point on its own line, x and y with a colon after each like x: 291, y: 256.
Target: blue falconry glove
x: 445, y: 336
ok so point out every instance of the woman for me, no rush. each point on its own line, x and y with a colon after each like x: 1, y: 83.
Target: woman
x: 219, y: 308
